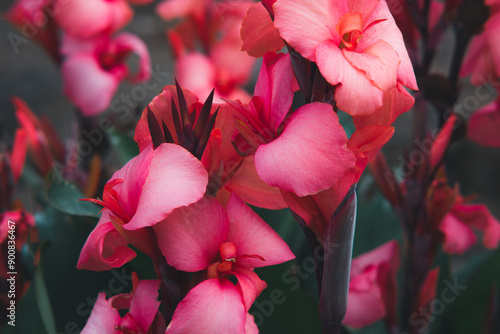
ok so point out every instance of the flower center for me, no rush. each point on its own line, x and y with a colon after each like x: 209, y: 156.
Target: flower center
x: 349, y: 27
x: 228, y: 259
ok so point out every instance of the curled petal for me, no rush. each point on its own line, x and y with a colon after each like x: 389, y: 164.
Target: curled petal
x: 103, y: 318
x: 105, y: 248
x: 130, y: 43
x: 250, y: 284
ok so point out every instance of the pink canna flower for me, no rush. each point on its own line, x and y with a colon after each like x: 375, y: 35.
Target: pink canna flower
x: 95, y: 67
x: 373, y: 287
x: 203, y: 237
x: 142, y: 309
x: 356, y: 45
x: 291, y: 152
x: 86, y: 19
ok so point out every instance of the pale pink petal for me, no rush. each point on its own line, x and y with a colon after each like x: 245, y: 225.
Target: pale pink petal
x: 483, y: 126
x: 144, y: 305
x: 89, y: 86
x: 250, y: 284
x: 234, y: 66
x: 356, y: 95
x: 458, y: 237
x: 176, y: 178
x: 88, y: 18
x: 379, y: 61
x: 103, y: 318
x: 258, y: 32
x: 190, y: 236
x: 196, y: 72
x: 252, y: 236
x: 132, y: 43
x: 247, y: 184
x: 275, y: 87
x: 214, y: 306
x: 305, y: 24
x: 105, y: 248
x: 309, y: 156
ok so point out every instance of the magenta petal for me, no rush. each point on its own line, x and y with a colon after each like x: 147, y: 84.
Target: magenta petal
x: 103, y: 318
x: 144, y: 305
x: 214, y: 306
x: 306, y: 24
x: 309, y: 156
x: 252, y: 236
x: 190, y: 236
x: 250, y: 284
x: 87, y: 84
x: 105, y: 248
x: 176, y: 178
x: 356, y: 95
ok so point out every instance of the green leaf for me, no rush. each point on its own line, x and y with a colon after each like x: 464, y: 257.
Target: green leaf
x: 43, y: 302
x: 65, y: 197
x: 125, y: 146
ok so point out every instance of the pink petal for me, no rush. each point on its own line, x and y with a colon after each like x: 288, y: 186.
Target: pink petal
x: 247, y: 184
x: 436, y: 11
x: 379, y: 61
x: 250, y: 284
x: 105, y: 248
x: 458, y: 237
x: 480, y: 217
x: 88, y: 18
x: 275, y: 87
x: 234, y: 66
x: 387, y: 253
x: 428, y: 289
x: 492, y: 26
x: 396, y: 101
x: 190, y: 236
x: 214, y: 306
x: 365, y: 305
x: 176, y: 178
x: 306, y: 24
x: 144, y: 305
x: 252, y: 236
x: 356, y: 95
x: 134, y: 44
x: 484, y: 124
x: 258, y: 32
x: 103, y: 318
x: 250, y: 326
x: 388, y: 31
x: 309, y: 156
x: 442, y: 141
x: 18, y: 156
x: 196, y: 72
x: 89, y: 86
